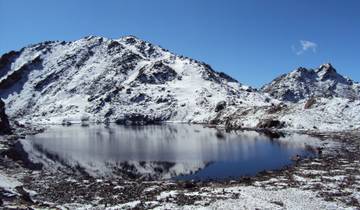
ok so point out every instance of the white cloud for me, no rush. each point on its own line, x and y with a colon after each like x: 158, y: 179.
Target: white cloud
x: 304, y: 46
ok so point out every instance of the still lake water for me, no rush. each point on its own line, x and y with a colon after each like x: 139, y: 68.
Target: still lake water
x: 177, y: 151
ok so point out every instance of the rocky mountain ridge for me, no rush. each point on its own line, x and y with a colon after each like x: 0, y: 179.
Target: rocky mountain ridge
x: 126, y: 80
x: 305, y: 83
x: 131, y: 81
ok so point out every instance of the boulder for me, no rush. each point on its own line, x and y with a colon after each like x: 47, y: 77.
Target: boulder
x: 309, y: 103
x: 4, y: 122
x: 276, y: 108
x: 270, y: 123
x: 220, y: 106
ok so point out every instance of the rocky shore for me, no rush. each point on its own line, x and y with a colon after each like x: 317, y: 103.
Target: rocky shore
x: 331, y: 180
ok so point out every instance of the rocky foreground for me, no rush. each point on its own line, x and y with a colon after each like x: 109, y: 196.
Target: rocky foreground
x: 329, y: 181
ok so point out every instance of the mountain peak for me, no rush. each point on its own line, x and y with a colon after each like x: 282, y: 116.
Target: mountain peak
x: 114, y: 79
x: 327, y: 66
x: 327, y: 71
x: 305, y: 83
x: 128, y: 39
x: 131, y: 39
x: 93, y: 37
x: 130, y: 36
x: 301, y: 70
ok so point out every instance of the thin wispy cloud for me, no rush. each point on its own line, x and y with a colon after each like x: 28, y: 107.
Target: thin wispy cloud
x: 303, y: 46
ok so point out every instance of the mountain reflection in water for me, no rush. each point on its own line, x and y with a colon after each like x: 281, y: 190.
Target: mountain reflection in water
x: 177, y: 151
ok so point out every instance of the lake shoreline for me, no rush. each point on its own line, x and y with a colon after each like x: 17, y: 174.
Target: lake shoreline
x: 82, y: 190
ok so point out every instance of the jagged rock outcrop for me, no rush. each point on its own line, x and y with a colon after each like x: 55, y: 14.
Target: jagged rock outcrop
x: 4, y: 122
x: 306, y: 83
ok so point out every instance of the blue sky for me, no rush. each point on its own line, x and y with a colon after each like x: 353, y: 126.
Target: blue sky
x: 251, y: 40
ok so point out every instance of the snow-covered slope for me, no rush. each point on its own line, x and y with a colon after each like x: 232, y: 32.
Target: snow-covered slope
x: 304, y: 83
x: 100, y: 79
x: 325, y: 114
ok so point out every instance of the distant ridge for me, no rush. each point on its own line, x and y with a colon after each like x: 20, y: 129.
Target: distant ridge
x: 304, y: 83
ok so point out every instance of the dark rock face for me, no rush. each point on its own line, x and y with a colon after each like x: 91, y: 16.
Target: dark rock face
x: 138, y: 98
x: 20, y: 75
x: 159, y: 73
x: 139, y: 119
x: 6, y: 60
x: 4, y: 122
x: 220, y: 106
x: 328, y: 72
x: 270, y: 123
x: 17, y: 153
x: 214, y: 76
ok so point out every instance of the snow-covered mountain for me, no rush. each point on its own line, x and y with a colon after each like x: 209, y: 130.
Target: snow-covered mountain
x: 126, y: 79
x: 305, y: 83
x: 129, y: 80
x: 314, y: 99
